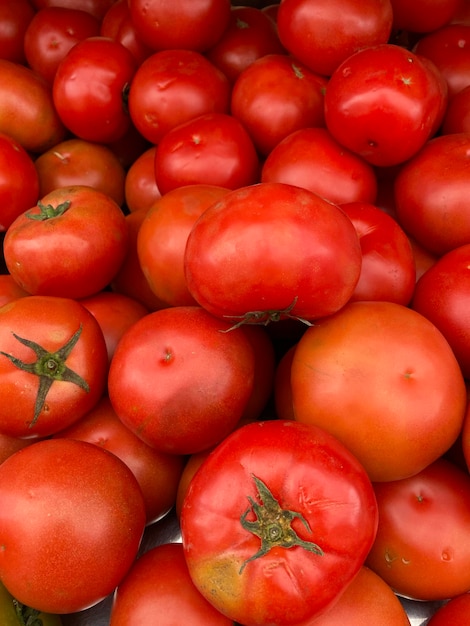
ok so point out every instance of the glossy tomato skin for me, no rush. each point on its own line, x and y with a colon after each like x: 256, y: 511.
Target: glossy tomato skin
x: 69, y: 545
x: 118, y: 25
x: 275, y: 96
x: 51, y: 323
x: 421, y: 547
x: 97, y: 8
x: 272, y: 249
x: 140, y: 186
x: 312, y: 158
x: 89, y: 237
x: 454, y: 612
x: 303, y: 582
x: 92, y: 105
x: 439, y: 171
x: 383, y: 103
x: 15, y: 18
x: 180, y: 383
x: 323, y: 34
x: 384, y: 380
x: 457, y: 115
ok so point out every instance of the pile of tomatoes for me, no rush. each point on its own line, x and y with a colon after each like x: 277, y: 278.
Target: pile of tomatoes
x: 235, y: 290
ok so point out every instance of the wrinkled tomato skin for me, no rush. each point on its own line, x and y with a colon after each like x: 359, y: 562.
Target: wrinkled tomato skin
x: 454, y: 612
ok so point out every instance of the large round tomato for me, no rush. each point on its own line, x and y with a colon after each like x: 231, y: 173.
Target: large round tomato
x: 71, y: 520
x: 422, y: 549
x: 384, y: 380
x: 286, y: 537
x: 269, y: 251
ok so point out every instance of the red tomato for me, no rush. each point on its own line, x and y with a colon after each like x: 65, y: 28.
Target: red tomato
x: 431, y: 194
x: 97, y: 8
x: 180, y: 24
x: 354, y: 104
x: 162, y: 237
x: 145, y: 596
x: 81, y: 227
x: 53, y: 365
x: 323, y: 33
x: 383, y: 379
x: 157, y: 473
x: 71, y: 520
x: 388, y: 267
x: 454, y: 612
x: 193, y: 463
x: 10, y: 290
x: 140, y: 186
x: 118, y: 25
x: 10, y: 445
x: 423, y: 16
x: 172, y: 87
x: 180, y: 383
x: 421, y: 548
x: 90, y: 89
x: 313, y: 159
x: 52, y: 32
x: 270, y: 251
x: 250, y: 35
x: 15, y: 18
x: 465, y: 437
x: 80, y: 162
x: 312, y: 536
x: 212, y: 149
x: 457, y: 115
x: 19, y: 181
x: 442, y: 295
x: 275, y: 96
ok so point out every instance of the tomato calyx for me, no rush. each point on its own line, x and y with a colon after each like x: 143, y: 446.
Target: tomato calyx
x: 26, y: 615
x: 48, y: 211
x: 273, y: 525
x: 265, y: 317
x: 48, y: 367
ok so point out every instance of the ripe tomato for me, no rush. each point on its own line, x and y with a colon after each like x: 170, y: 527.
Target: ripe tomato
x: 212, y: 149
x: 97, y: 8
x: 313, y: 159
x: 118, y: 25
x: 10, y: 445
x: 15, y: 18
x: 322, y: 34
x: 53, y: 365
x: 10, y: 290
x: 457, y: 115
x: 454, y: 612
x: 145, y: 596
x: 421, y: 548
x: 354, y: 104
x: 180, y: 383
x: 83, y: 229
x: 270, y: 251
x: 140, y: 186
x: 383, y: 379
x: 311, y: 536
x: 71, y: 519
x: 423, y: 16
x: 276, y: 95
x: 90, y: 89
x: 172, y: 87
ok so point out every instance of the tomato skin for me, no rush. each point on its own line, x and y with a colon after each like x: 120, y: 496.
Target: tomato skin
x: 91, y: 105
x: 323, y: 34
x: 454, y: 612
x: 423, y: 16
x: 303, y: 583
x: 10, y: 290
x: 15, y: 18
x: 90, y: 238
x: 140, y: 186
x: 118, y: 25
x: 268, y: 249
x: 421, y: 548
x: 97, y: 8
x: 74, y: 523
x: 384, y: 380
x: 457, y: 115
x: 384, y: 103
x: 205, y: 379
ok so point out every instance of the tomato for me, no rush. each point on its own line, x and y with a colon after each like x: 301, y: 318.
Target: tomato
x: 27, y: 111
x: 15, y: 18
x: 457, y: 115
x: 97, y: 8
x: 178, y: 381
x: 145, y: 595
x: 13, y: 613
x: 313, y: 159
x: 90, y: 89
x: 276, y: 95
x: 10, y: 290
x: 19, y: 181
x: 354, y: 104
x: 383, y: 379
x: 162, y: 237
x: 181, y: 24
x: 388, y: 266
x: 454, y: 612
x: 82, y: 229
x: 140, y: 186
x: 192, y: 464
x: 157, y: 473
x: 423, y: 16
x: 250, y: 35
x: 118, y: 25
x: 71, y: 519
x: 172, y: 87
x: 465, y: 438
x: 80, y: 162
x: 431, y: 192
x: 322, y: 34
x: 52, y: 32
x: 421, y: 547
x: 312, y: 536
x: 53, y: 364
x: 10, y: 445
x: 270, y: 251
